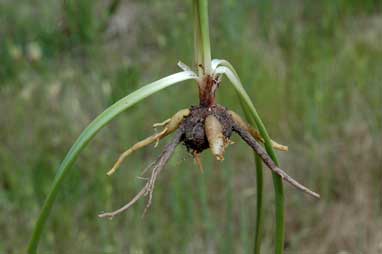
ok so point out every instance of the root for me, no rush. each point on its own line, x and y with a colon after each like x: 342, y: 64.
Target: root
x: 137, y: 146
x: 155, y: 125
x: 215, y: 137
x: 177, y: 119
x: 198, y: 161
x: 170, y: 124
x: 247, y: 137
x: 148, y: 189
x: 244, y: 125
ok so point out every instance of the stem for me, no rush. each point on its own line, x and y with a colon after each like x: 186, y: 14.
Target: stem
x: 277, y: 181
x: 277, y: 186
x: 198, y: 54
x: 259, y: 205
x: 201, y: 8
x: 280, y: 213
x: 259, y: 190
x: 278, y: 189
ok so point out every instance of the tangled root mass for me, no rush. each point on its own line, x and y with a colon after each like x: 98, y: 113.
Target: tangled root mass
x: 193, y: 126
x: 199, y: 128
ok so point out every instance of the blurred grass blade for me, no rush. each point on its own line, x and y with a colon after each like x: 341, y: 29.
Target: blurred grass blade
x: 229, y: 71
x: 89, y: 132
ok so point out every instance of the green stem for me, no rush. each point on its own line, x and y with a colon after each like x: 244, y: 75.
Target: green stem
x: 259, y: 205
x: 259, y: 191
x: 277, y: 181
x: 201, y: 6
x: 277, y: 185
x: 280, y: 221
x: 198, y: 54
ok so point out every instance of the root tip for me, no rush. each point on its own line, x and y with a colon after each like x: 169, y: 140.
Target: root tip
x: 105, y: 215
x: 219, y: 157
x: 110, y: 172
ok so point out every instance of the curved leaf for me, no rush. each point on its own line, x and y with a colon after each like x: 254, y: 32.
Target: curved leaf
x: 89, y: 132
x: 221, y: 62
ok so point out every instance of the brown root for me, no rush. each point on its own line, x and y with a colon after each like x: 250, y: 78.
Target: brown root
x: 247, y: 137
x: 198, y: 161
x: 148, y: 189
x: 244, y: 125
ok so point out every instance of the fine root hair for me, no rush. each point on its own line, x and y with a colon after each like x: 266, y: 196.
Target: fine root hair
x: 148, y: 189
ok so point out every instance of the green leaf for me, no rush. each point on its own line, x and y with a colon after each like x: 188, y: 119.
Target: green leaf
x: 90, y: 131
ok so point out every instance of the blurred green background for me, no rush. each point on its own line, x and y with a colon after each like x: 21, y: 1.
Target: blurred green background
x: 313, y: 69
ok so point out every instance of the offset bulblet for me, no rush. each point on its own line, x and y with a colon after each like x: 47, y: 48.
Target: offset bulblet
x: 215, y: 137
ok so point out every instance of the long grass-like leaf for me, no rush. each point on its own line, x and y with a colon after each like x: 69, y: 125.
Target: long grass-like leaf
x: 277, y: 181
x: 87, y: 135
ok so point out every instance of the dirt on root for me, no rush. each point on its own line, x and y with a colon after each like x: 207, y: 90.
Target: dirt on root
x: 193, y: 126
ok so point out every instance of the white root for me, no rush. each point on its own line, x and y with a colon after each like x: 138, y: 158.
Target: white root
x: 177, y: 119
x: 170, y: 124
x: 215, y: 137
x: 134, y: 148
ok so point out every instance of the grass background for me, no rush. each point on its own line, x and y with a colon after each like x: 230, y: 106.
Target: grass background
x: 313, y: 69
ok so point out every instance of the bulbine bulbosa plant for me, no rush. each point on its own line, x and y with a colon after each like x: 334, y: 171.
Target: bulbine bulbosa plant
x: 205, y: 126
